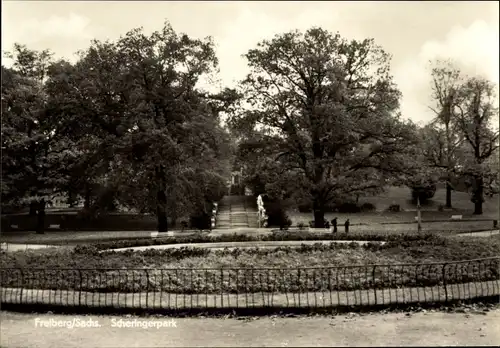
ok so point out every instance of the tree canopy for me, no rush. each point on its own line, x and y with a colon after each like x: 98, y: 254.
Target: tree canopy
x: 140, y: 128
x: 329, y: 110
x: 316, y: 119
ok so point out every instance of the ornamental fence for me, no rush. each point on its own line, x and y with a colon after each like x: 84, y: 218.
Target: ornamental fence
x: 187, y: 289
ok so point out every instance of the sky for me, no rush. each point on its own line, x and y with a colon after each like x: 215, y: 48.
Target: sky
x: 412, y: 32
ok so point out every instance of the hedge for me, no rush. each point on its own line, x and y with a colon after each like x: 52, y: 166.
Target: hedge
x: 278, y: 236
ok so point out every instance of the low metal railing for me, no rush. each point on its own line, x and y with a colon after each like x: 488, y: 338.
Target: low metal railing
x: 252, y: 287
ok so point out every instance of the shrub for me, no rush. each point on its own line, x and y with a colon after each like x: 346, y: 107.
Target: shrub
x: 326, y: 224
x: 301, y: 226
x: 286, y: 222
x: 423, y: 192
x: 201, y: 221
x: 276, y: 213
x: 441, y: 207
x: 394, y: 208
x: 368, y: 207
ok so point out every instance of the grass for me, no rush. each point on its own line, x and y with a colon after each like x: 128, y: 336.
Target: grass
x: 460, y: 201
x: 359, y: 225
x: 393, y: 227
x: 429, y: 219
x: 67, y: 237
x: 401, y: 195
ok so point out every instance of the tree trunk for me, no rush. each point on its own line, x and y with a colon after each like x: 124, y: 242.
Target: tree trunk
x: 448, y: 159
x: 33, y: 208
x: 86, y: 203
x: 40, y: 225
x: 478, y: 196
x: 161, y: 212
x: 319, y: 214
x: 478, y: 208
x: 448, y: 195
x: 173, y: 221
x: 71, y: 200
x: 161, y: 201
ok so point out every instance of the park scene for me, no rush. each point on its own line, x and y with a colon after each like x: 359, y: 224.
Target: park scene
x: 133, y: 184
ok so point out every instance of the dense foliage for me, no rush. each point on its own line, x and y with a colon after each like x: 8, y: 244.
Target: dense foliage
x: 127, y: 123
x: 316, y: 123
x: 325, y: 115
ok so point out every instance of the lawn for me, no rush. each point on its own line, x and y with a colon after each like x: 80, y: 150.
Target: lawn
x: 401, y: 195
x: 460, y: 201
x: 387, y: 217
x: 360, y: 224
x: 71, y: 237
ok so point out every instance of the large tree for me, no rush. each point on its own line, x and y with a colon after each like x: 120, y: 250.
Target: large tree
x: 149, y: 132
x: 476, y: 112
x: 35, y: 148
x: 443, y: 140
x: 329, y: 108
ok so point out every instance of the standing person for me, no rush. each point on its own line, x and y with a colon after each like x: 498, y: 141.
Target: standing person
x: 334, y: 224
x: 346, y: 224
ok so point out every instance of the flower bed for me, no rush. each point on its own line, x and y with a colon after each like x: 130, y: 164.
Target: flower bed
x: 276, y: 236
x: 409, y: 263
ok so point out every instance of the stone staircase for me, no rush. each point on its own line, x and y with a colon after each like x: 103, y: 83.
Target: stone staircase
x: 237, y: 212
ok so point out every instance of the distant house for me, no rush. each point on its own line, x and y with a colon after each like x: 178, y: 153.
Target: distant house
x: 236, y: 185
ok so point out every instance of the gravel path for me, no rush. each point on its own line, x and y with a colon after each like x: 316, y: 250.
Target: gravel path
x: 394, y: 329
